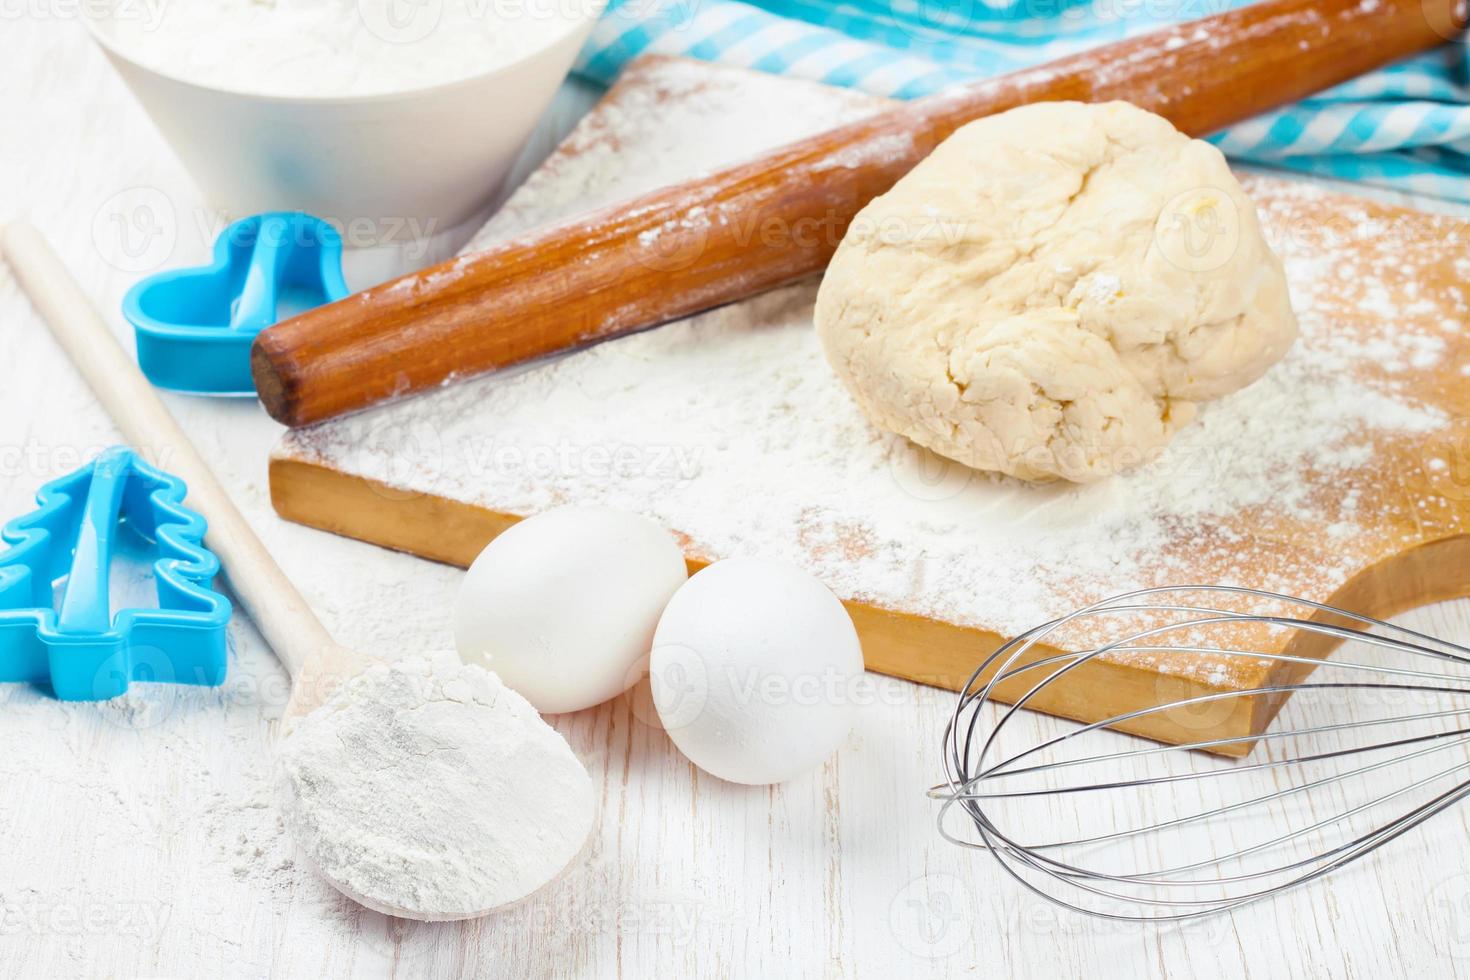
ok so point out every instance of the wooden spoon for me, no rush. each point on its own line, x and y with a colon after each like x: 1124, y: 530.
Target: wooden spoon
x: 318, y: 665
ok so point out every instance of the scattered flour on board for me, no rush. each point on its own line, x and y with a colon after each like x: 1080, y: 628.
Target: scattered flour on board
x: 730, y: 428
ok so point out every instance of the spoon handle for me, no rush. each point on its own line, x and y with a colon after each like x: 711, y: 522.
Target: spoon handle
x: 278, y: 610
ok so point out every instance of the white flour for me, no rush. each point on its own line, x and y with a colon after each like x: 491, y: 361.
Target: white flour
x: 429, y: 786
x: 335, y: 47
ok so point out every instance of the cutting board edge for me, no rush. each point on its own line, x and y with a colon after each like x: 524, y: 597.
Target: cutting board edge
x: 453, y: 531
x: 897, y: 643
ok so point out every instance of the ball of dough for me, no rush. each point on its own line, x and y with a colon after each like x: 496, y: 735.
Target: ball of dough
x: 1053, y: 291
x: 754, y: 670
x: 563, y: 605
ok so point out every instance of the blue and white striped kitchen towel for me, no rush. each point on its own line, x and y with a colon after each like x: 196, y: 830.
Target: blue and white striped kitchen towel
x: 1406, y: 126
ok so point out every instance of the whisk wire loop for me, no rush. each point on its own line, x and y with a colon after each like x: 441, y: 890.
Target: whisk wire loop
x: 1175, y: 831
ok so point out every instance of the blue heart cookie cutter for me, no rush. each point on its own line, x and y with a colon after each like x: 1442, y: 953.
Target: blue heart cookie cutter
x: 194, y: 326
x: 57, y: 624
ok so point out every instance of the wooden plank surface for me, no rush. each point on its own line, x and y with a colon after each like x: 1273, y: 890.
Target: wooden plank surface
x: 137, y: 841
x: 1375, y: 520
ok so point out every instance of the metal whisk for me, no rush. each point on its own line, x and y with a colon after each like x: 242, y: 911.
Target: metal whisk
x: 1368, y: 744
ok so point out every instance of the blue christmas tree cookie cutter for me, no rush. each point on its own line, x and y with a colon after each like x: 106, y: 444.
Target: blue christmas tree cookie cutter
x: 56, y: 621
x: 194, y: 326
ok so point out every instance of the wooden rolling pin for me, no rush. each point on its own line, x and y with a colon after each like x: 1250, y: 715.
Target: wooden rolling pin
x: 780, y: 217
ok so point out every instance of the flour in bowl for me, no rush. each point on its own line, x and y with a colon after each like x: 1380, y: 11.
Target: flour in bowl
x: 428, y: 786
x: 337, y: 47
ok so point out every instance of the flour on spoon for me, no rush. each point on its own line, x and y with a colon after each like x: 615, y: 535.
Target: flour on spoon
x: 427, y: 786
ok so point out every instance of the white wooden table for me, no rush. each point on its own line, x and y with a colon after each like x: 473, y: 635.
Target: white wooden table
x: 137, y: 838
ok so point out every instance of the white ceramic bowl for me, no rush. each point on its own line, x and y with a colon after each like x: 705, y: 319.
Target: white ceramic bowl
x: 434, y: 155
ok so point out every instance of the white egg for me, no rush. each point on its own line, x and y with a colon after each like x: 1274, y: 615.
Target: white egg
x: 563, y: 605
x: 754, y: 669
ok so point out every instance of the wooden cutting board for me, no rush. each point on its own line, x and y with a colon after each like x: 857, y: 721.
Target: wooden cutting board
x: 1342, y: 477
